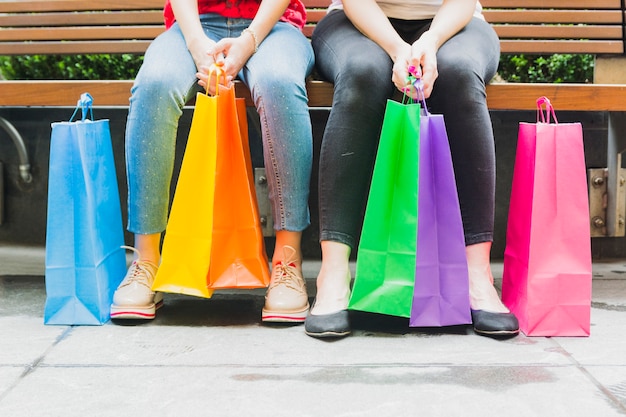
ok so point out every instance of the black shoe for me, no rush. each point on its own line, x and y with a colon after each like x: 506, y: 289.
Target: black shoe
x: 328, y: 325
x: 491, y: 324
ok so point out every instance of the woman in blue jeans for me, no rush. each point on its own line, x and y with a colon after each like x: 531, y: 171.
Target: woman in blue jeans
x: 247, y: 38
x: 365, y: 48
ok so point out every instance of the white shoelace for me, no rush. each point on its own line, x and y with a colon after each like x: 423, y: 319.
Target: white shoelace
x: 139, y: 272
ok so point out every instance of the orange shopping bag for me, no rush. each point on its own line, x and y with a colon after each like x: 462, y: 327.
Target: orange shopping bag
x: 547, y: 259
x: 213, y: 238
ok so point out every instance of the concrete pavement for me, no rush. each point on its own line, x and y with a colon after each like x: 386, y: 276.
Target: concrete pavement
x: 214, y: 358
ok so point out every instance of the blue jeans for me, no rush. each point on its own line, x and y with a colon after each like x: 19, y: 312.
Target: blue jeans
x: 361, y: 73
x: 166, y: 81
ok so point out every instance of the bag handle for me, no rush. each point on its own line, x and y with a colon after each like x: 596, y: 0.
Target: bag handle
x: 543, y: 116
x: 416, y: 82
x: 219, y: 72
x: 84, y: 103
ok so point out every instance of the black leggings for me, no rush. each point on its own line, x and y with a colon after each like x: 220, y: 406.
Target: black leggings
x: 361, y: 72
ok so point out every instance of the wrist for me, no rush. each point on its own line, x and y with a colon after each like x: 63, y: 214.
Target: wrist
x: 252, y: 34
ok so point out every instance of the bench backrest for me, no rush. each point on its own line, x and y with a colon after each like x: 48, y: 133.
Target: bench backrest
x: 558, y: 26
x: 117, y: 26
x: 78, y: 27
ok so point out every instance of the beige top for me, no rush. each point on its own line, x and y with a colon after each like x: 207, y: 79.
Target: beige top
x: 408, y: 9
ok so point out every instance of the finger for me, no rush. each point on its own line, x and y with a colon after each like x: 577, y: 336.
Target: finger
x: 220, y: 59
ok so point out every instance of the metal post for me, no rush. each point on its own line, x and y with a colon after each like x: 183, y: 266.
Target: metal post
x: 616, y: 196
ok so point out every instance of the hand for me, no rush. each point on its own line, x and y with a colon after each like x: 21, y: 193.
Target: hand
x: 236, y: 52
x: 401, y: 64
x: 424, y: 59
x: 199, y: 49
x: 216, y: 74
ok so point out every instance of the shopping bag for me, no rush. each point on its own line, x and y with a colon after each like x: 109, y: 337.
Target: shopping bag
x: 547, y: 259
x: 213, y: 238
x: 84, y: 261
x: 385, y: 264
x: 441, y: 290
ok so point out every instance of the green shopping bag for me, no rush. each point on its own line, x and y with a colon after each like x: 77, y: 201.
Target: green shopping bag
x: 385, y: 264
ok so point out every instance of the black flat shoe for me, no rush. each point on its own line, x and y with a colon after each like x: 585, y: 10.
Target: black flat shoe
x: 491, y: 324
x: 328, y: 325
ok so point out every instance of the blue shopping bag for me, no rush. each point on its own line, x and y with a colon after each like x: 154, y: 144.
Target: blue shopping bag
x: 84, y: 259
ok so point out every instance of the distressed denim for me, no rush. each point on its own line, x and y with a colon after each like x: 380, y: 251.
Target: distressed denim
x: 166, y: 81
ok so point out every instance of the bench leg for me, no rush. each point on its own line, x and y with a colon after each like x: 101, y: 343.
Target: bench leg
x: 263, y: 201
x: 607, y: 186
x: 616, y: 194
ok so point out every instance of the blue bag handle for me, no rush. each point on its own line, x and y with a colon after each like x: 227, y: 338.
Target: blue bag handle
x: 84, y: 103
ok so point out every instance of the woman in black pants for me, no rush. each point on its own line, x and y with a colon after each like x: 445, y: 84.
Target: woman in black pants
x: 365, y: 49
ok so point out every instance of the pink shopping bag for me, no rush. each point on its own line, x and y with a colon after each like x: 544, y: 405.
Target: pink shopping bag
x: 547, y: 260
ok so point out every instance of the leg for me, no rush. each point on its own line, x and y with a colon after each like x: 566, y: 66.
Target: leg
x: 162, y: 87
x: 362, y: 84
x: 483, y: 295
x: 276, y: 78
x: 466, y: 63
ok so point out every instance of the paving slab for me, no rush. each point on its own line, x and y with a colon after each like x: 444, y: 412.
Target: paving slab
x: 214, y: 357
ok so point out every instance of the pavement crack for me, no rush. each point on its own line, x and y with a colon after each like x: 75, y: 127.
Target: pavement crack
x: 31, y: 367
x: 608, y: 394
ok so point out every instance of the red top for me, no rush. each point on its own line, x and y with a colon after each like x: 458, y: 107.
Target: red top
x: 242, y: 9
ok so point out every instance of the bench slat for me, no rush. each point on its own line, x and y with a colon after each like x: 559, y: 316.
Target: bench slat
x: 78, y: 47
x: 507, y: 96
x: 543, y: 47
x: 553, y: 4
x: 81, y: 33
x: 579, y: 97
x: 84, y: 19
x: 25, y: 6
x: 559, y: 32
x: 576, y: 17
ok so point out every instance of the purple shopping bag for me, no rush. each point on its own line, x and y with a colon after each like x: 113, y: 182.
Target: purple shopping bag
x: 441, y: 291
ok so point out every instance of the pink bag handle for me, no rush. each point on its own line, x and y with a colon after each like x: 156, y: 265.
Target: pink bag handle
x: 419, y: 86
x: 544, y: 116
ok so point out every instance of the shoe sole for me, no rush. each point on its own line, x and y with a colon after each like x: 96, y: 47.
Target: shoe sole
x: 328, y: 335
x: 497, y: 332
x: 284, y: 317
x: 135, y: 313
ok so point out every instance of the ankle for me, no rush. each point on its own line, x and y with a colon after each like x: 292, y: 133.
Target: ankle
x: 333, y: 291
x: 486, y: 299
x: 483, y: 294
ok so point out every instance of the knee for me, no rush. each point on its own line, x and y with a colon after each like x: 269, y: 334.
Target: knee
x: 277, y: 84
x: 156, y: 86
x: 460, y: 72
x: 364, y: 80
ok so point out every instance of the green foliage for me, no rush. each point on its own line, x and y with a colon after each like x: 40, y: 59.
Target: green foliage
x: 70, y: 67
x: 558, y: 68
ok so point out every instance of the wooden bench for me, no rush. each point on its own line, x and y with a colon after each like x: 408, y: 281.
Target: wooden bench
x: 525, y: 26
x: 77, y: 27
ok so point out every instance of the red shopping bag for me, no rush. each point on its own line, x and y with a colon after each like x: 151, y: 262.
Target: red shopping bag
x: 547, y: 260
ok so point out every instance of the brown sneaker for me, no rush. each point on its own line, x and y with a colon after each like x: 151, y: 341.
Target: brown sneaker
x: 134, y: 298
x: 286, y: 299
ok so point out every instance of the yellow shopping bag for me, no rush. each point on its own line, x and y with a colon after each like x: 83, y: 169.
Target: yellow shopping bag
x: 213, y: 238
